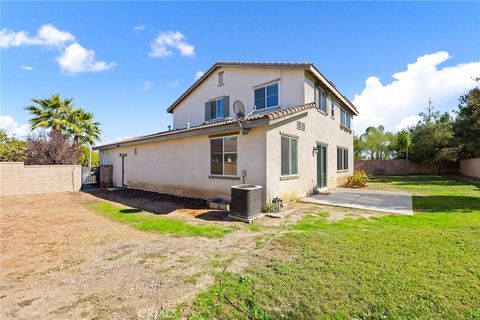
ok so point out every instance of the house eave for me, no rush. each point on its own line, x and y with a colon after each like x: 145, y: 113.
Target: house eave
x: 163, y: 136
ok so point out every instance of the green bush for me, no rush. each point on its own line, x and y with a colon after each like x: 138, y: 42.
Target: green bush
x: 358, y: 180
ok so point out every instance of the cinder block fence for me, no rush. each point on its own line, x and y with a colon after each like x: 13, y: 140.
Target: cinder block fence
x: 16, y: 178
x: 470, y: 167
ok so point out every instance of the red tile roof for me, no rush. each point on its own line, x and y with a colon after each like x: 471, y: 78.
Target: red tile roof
x: 271, y: 115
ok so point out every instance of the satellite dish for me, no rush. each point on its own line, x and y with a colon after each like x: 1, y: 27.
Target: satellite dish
x: 239, y: 109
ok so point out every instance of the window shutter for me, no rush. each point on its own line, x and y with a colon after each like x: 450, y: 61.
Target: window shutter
x: 207, y: 111
x: 226, y: 106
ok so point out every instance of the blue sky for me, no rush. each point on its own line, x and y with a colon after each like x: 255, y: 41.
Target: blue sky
x: 129, y: 90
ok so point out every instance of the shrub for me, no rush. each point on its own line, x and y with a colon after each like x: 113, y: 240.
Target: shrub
x: 358, y: 180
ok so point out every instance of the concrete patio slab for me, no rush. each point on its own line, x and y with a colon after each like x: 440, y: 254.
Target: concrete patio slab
x: 375, y: 200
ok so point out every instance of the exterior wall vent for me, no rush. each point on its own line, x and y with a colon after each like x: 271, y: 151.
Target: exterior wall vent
x: 300, y: 125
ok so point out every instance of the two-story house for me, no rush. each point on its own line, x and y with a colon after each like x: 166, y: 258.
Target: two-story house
x: 300, y: 138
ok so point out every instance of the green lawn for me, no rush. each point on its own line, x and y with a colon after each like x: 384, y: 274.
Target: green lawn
x: 151, y: 222
x: 425, y: 266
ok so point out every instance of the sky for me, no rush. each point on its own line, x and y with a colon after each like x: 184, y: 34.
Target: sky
x: 128, y: 61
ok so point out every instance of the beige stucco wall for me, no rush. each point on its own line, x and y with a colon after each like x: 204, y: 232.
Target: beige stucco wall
x: 470, y: 167
x: 318, y: 128
x: 239, y: 84
x: 19, y: 179
x: 182, y: 166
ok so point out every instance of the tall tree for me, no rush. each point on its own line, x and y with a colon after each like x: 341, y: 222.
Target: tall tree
x: 433, y: 140
x: 11, y: 149
x: 402, y: 143
x: 377, y: 143
x: 467, y: 123
x: 358, y: 148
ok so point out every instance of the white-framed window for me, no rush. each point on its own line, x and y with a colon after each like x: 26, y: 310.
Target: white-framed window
x: 346, y: 119
x: 289, y: 156
x: 266, y: 96
x: 332, y: 108
x: 223, y: 156
x: 342, y: 159
x: 216, y: 108
x: 220, y: 79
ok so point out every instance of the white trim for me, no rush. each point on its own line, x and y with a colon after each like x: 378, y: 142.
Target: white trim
x: 265, y: 83
x: 290, y: 174
x: 266, y: 96
x: 223, y: 156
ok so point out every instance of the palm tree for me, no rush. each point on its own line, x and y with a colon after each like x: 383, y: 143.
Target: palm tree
x: 50, y: 113
x: 82, y: 127
x: 62, y: 118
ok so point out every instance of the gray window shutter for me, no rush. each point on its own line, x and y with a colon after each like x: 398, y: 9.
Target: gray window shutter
x: 207, y: 111
x: 226, y: 106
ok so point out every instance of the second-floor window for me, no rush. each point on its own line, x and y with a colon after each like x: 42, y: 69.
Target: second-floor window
x: 332, y: 108
x: 320, y: 98
x: 346, y: 119
x: 216, y: 108
x: 266, y: 96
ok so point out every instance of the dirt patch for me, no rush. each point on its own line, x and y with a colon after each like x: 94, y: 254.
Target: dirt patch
x: 60, y: 260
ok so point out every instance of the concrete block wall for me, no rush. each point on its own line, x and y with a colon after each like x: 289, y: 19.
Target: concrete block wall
x: 470, y: 167
x: 19, y: 179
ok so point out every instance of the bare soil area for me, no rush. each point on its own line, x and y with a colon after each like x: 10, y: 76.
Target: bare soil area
x: 60, y: 260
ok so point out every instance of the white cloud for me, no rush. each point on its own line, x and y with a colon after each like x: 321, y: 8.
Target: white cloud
x: 147, y: 85
x: 51, y: 36
x: 13, y: 128
x: 165, y: 42
x: 199, y: 74
x: 77, y: 59
x: 407, y: 122
x: 48, y: 36
x: 397, y: 104
x: 74, y: 58
x: 138, y: 29
x: 27, y: 68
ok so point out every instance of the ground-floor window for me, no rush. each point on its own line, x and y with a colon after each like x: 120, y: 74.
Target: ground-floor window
x: 342, y: 159
x: 289, y: 158
x: 223, y: 156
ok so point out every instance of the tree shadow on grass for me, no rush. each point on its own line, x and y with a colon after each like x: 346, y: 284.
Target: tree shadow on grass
x: 445, y: 203
x: 419, y: 180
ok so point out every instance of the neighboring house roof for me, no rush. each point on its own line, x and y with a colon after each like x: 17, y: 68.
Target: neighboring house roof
x: 306, y: 66
x: 258, y: 119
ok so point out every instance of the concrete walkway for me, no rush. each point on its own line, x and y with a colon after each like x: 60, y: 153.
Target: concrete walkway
x: 375, y: 200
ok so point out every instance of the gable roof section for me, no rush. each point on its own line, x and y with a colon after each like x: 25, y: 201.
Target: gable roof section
x: 310, y: 67
x: 260, y: 118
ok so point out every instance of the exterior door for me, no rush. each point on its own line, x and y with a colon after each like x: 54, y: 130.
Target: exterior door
x: 322, y: 167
